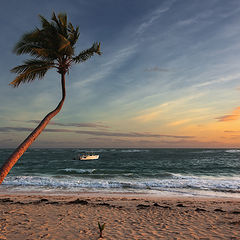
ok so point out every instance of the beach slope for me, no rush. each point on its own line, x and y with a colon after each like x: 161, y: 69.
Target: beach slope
x: 126, y: 217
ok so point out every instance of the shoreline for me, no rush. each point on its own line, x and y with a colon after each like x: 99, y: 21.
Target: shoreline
x: 102, y: 193
x: 75, y: 216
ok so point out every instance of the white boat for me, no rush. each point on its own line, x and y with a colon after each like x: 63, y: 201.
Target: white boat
x: 87, y: 156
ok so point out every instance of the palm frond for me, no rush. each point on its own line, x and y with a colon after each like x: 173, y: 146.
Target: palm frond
x: 37, y: 39
x: 52, y: 45
x: 31, y: 70
x: 61, y: 23
x: 63, y: 43
x: 54, y: 18
x: 45, y: 54
x: 73, y: 34
x: 63, y: 19
x: 45, y: 23
x: 26, y: 43
x: 70, y: 27
x: 86, y: 54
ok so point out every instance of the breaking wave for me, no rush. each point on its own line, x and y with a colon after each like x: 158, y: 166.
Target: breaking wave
x: 176, y: 183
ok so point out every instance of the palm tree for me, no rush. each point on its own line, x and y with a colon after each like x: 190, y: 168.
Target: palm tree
x: 52, y: 46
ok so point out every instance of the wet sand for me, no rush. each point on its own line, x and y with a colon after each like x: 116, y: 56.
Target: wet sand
x: 34, y: 216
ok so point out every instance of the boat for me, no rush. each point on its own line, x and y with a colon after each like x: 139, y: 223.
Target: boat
x: 84, y: 156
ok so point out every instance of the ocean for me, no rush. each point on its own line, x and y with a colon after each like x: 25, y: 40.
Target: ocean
x: 162, y: 172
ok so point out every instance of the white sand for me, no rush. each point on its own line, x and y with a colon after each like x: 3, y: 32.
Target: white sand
x: 31, y: 216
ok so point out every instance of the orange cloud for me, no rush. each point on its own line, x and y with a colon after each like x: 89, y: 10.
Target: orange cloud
x: 230, y: 117
x: 180, y: 122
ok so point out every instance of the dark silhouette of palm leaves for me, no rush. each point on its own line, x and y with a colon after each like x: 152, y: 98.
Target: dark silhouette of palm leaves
x: 52, y: 46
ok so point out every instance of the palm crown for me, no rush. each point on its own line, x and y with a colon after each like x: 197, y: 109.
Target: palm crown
x: 52, y: 46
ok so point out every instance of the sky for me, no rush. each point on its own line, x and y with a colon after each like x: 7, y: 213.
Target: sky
x: 169, y: 75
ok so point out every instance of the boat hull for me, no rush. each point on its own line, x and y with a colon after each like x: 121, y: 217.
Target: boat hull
x: 86, y: 158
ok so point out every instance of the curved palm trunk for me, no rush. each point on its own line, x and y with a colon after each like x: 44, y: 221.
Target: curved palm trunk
x: 7, y: 166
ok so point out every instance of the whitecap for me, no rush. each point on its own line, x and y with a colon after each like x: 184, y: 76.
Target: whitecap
x: 232, y: 151
x: 76, y: 170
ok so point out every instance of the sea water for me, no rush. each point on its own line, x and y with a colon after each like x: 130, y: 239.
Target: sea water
x: 186, y: 172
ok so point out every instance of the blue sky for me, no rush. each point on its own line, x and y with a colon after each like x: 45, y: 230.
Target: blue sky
x: 168, y: 76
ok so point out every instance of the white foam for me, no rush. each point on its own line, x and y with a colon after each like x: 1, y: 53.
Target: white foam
x: 78, y: 170
x: 179, y: 184
x: 232, y: 151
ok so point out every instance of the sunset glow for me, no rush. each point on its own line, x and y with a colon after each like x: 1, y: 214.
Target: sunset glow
x: 169, y: 76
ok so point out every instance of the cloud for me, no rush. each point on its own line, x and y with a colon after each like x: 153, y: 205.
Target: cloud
x: 152, y: 18
x: 97, y: 133
x: 148, y: 116
x: 14, y: 129
x: 187, y: 22
x: 6, y: 141
x: 110, y: 65
x: 227, y: 131
x: 219, y: 80
x: 79, y: 125
x: 156, y: 69
x: 131, y: 134
x: 180, y: 122
x: 203, y: 16
x: 230, y: 117
x: 24, y: 129
x: 154, y: 113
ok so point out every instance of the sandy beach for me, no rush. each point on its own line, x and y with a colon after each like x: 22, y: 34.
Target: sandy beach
x: 76, y: 216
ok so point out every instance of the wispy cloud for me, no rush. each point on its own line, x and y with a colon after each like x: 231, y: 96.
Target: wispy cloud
x: 15, y: 129
x: 235, y: 115
x: 111, y: 64
x: 153, y: 17
x: 180, y: 122
x: 156, y: 69
x: 228, y: 131
x: 155, y: 112
x: 98, y: 133
x: 146, y: 117
x: 219, y: 80
x: 203, y: 16
x: 79, y: 125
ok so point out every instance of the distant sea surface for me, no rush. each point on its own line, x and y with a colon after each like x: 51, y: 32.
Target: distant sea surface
x: 186, y: 172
